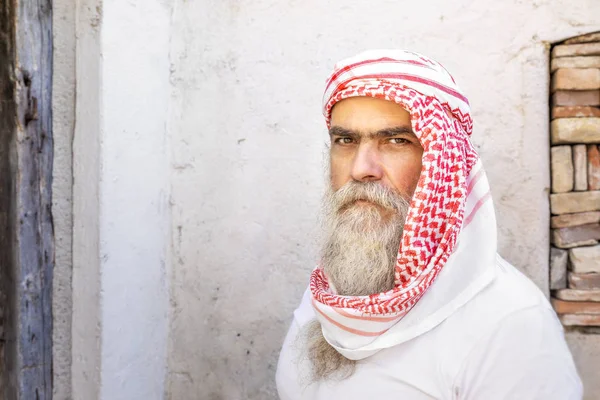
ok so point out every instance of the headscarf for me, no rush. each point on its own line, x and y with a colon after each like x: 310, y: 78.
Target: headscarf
x: 450, y: 220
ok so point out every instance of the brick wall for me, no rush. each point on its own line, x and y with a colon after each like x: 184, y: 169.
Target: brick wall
x: 575, y: 164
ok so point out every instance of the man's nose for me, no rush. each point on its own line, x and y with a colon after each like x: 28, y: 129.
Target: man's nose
x: 367, y: 164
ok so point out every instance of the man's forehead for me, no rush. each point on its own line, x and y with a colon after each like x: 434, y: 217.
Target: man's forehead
x: 368, y: 116
x: 368, y: 101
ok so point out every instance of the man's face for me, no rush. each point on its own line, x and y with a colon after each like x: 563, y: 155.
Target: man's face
x: 372, y: 141
x: 375, y: 167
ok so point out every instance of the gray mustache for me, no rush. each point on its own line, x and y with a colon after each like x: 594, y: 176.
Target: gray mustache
x: 373, y: 192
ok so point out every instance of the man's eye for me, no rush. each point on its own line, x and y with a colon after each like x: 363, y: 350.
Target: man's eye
x: 343, y: 140
x: 399, y: 141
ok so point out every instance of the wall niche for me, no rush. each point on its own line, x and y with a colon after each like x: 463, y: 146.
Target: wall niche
x: 575, y: 172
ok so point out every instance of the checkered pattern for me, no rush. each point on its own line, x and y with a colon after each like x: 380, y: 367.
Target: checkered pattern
x: 441, y: 119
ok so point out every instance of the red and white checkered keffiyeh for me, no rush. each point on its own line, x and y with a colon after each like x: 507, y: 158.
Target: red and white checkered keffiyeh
x: 451, y: 202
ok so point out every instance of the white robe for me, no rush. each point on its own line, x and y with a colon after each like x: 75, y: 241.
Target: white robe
x: 504, y: 343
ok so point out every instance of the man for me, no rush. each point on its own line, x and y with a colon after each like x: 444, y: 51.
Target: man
x: 410, y: 299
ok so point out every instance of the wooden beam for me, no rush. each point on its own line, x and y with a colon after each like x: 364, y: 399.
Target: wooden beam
x: 8, y: 122
x: 34, y: 244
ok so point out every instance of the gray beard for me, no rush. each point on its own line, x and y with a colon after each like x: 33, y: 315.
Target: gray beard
x: 362, y: 241
x: 358, y: 257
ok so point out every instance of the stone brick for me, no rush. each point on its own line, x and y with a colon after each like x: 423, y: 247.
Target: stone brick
x: 584, y: 260
x: 575, y: 202
x: 567, y: 220
x: 589, y: 37
x: 575, y: 98
x: 584, y: 281
x: 577, y: 295
x: 558, y: 268
x: 562, y: 169
x: 568, y: 50
x: 580, y: 167
x: 575, y: 236
x: 575, y: 130
x: 580, y: 319
x: 575, y: 307
x: 576, y: 79
x: 575, y: 62
x: 575, y: 112
x: 593, y: 172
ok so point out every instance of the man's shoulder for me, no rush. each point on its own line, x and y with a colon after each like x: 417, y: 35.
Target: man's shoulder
x: 503, y: 303
x: 509, y: 313
x: 510, y: 292
x: 517, y: 341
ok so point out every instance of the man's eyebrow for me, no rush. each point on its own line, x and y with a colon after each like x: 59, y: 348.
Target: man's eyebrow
x: 382, y: 133
x: 339, y: 131
x: 394, y: 131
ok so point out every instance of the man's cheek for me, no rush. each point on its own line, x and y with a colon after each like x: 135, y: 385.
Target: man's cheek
x: 338, y: 178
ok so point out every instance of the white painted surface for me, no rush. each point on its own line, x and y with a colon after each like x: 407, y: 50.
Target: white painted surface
x: 86, y: 323
x: 226, y: 118
x: 121, y: 214
x: 134, y: 209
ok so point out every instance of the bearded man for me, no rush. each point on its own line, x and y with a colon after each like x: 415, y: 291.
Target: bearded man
x: 410, y: 299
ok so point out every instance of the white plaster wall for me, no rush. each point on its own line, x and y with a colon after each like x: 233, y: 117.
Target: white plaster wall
x: 63, y: 88
x: 586, y: 349
x: 85, y: 323
x: 121, y: 212
x: 134, y: 208
x: 218, y: 103
x: 247, y: 142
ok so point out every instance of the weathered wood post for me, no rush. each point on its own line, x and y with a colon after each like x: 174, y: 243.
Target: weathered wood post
x: 26, y: 233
